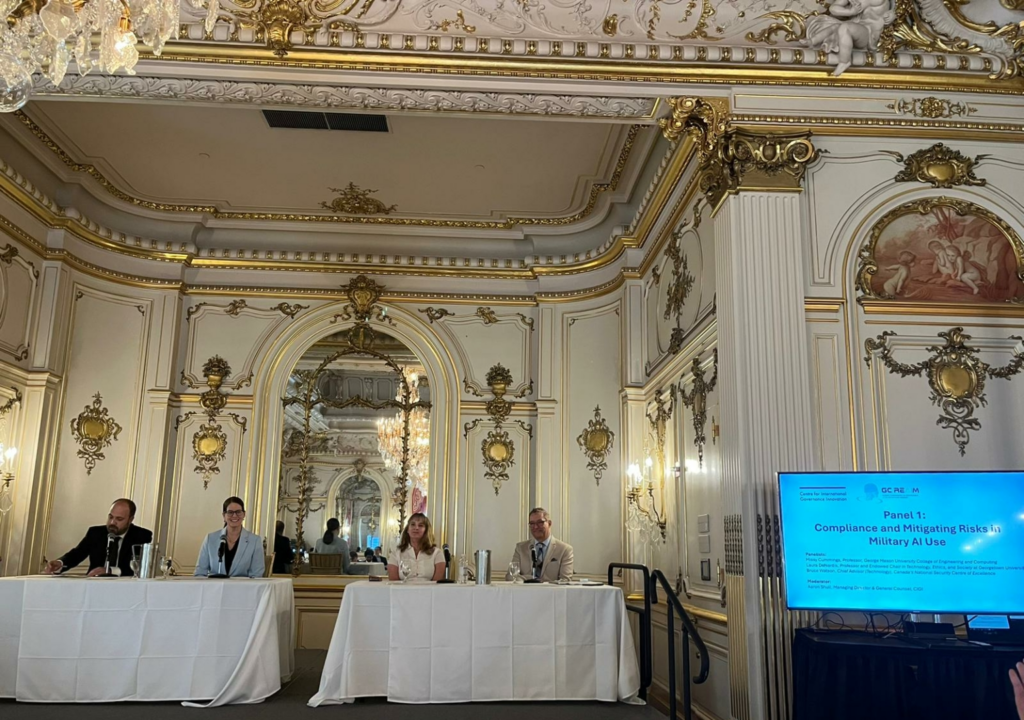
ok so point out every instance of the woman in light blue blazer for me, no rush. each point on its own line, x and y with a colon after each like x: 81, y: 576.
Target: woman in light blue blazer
x: 242, y: 555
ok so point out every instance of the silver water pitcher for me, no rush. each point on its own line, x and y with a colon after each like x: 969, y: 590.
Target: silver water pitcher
x: 483, y: 567
x: 146, y: 558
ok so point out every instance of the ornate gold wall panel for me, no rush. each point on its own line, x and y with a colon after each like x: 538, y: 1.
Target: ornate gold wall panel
x: 956, y: 377
x: 595, y: 441
x: 93, y: 429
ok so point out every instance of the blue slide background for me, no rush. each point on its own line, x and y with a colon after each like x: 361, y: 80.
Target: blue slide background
x: 942, y: 499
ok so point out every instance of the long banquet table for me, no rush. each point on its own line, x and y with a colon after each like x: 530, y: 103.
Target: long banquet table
x: 428, y: 643
x: 76, y: 639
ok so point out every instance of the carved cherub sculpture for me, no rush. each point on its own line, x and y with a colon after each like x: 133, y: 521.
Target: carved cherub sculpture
x: 850, y: 25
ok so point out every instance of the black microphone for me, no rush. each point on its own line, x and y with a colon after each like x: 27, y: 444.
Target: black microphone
x: 223, y: 548
x: 111, y: 553
x: 447, y: 564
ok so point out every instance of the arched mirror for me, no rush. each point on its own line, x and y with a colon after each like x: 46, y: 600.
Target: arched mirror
x: 356, y: 442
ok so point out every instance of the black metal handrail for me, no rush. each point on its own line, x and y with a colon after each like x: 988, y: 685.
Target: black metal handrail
x: 646, y: 647
x: 689, y: 630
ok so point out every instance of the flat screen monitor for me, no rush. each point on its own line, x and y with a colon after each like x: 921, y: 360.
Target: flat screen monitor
x: 909, y: 542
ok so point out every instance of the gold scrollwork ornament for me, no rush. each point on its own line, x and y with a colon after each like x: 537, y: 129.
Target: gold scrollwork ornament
x: 497, y: 447
x: 956, y: 377
x: 499, y: 455
x: 596, y: 442
x: 94, y: 430
x: 939, y: 166
x: 216, y: 371
x: 697, y: 401
x: 209, y: 446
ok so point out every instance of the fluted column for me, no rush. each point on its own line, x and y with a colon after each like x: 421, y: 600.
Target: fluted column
x: 765, y: 396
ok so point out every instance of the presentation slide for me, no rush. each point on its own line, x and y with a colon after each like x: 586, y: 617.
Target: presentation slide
x: 904, y: 542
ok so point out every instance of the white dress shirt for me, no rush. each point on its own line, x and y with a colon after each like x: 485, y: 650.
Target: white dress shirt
x: 422, y: 564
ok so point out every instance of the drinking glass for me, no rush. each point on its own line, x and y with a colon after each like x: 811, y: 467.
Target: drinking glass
x: 513, y: 570
x: 135, y: 562
x: 405, y: 570
x: 463, y: 570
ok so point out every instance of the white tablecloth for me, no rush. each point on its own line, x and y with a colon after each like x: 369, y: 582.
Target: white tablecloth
x: 68, y: 639
x: 427, y: 643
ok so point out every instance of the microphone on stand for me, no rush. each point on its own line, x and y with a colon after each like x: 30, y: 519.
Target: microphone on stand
x: 535, y: 575
x: 223, y: 548
x: 111, y: 560
x: 447, y: 565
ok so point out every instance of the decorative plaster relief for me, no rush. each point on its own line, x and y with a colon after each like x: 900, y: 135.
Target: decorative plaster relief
x: 236, y: 331
x: 484, y: 339
x: 18, y: 280
x: 347, y: 98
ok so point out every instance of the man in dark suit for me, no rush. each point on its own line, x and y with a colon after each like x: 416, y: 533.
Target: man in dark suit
x: 111, y: 543
x: 283, y: 554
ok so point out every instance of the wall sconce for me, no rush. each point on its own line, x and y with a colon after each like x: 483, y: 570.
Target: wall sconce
x: 7, y: 477
x: 642, y: 514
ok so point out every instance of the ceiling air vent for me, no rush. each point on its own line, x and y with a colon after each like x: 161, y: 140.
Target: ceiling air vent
x: 357, y: 122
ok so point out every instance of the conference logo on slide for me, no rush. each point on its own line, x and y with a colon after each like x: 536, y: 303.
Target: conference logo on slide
x: 871, y: 493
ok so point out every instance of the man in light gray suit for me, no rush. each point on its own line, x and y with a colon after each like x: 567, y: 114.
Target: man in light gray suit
x: 543, y: 557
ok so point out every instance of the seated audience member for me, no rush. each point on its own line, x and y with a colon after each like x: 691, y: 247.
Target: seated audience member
x: 333, y: 544
x: 353, y: 557
x: 368, y: 555
x: 243, y: 551
x: 417, y: 547
x: 543, y: 558
x: 1017, y: 681
x: 283, y: 553
x: 113, y: 540
x: 378, y: 556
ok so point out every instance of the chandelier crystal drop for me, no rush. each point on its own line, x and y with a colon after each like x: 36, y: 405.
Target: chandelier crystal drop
x: 46, y: 38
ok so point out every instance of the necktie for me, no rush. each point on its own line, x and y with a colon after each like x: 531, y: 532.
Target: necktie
x: 540, y: 560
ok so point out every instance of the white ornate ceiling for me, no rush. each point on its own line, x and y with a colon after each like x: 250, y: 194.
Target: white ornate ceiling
x: 455, y: 168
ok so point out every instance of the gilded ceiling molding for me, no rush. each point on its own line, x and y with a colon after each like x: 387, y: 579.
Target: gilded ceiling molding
x: 348, y: 98
x: 939, y: 166
x: 350, y: 201
x: 503, y: 51
x: 703, y: 120
x: 956, y: 377
x: 94, y: 429
x: 932, y: 107
x: 936, y: 24
x: 19, y: 189
x: 354, y: 200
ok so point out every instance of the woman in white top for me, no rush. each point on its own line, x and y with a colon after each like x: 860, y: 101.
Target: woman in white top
x: 418, y: 549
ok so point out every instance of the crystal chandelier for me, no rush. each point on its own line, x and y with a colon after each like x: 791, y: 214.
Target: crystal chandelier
x: 390, y: 431
x: 45, y: 38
